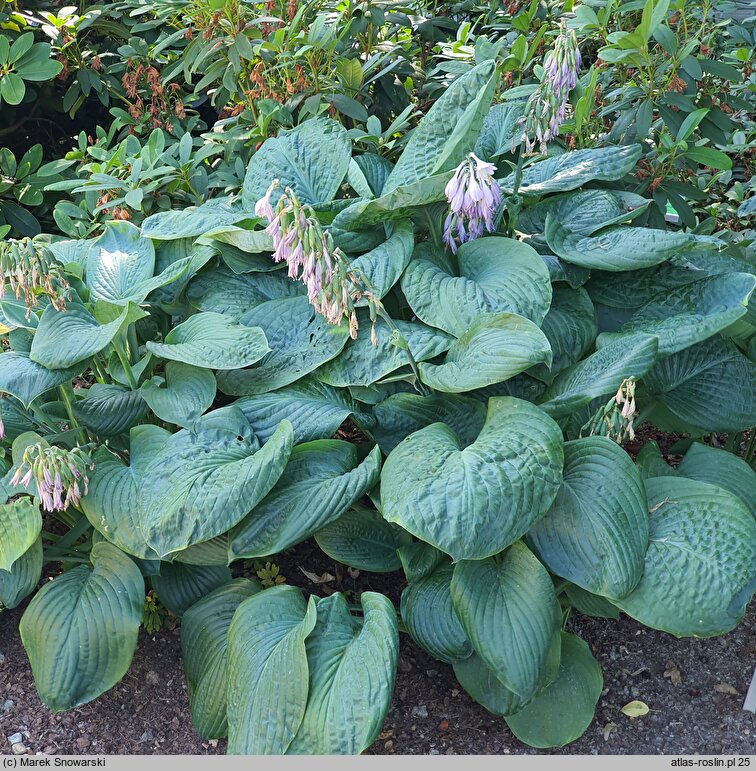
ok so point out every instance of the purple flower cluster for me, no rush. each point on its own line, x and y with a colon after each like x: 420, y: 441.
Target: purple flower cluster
x: 333, y: 288
x: 60, y: 474
x: 547, y: 107
x: 473, y: 195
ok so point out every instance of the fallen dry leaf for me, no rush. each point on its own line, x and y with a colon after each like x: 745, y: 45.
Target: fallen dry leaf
x: 353, y: 572
x: 635, y: 709
x: 443, y: 725
x: 673, y: 673
x: 725, y: 688
x: 609, y: 728
x: 326, y: 578
x: 383, y: 735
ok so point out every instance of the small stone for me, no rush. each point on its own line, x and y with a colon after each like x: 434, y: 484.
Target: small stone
x: 152, y: 678
x: 6, y: 706
x: 51, y: 749
x: 2, y: 658
x: 420, y: 711
x: 147, y: 736
x: 443, y: 725
x: 82, y: 743
x: 19, y: 749
x: 15, y: 738
x: 433, y: 751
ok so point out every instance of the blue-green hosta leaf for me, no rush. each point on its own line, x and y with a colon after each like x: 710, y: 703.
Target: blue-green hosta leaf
x: 402, y: 414
x: 251, y: 242
x: 179, y: 585
x: 240, y: 261
x: 474, y: 502
x: 13, y: 312
x: 192, y: 221
x: 618, y: 248
x: 583, y: 211
x: 448, y: 131
x: 113, y: 502
x: 375, y: 169
x: 496, y: 275
x: 722, y: 468
x: 563, y: 272
x: 690, y: 314
x: 203, y: 481
x: 419, y: 559
x: 171, y: 255
x: 315, y: 410
x: 204, y: 646
x: 222, y: 291
x: 480, y: 682
x: 383, y: 265
x: 430, y: 618
x: 181, y: 395
x: 352, y: 668
x: 109, y: 410
x: 213, y: 341
x: 67, y: 337
x: 20, y: 526
x: 26, y: 380
x: 651, y: 463
x: 321, y: 481
x: 267, y: 671
x: 300, y: 340
x: 212, y: 552
x: 312, y: 159
x: 570, y: 327
x: 77, y: 252
x: 15, y: 418
x: 20, y: 582
x: 596, y: 532
x: 362, y: 363
x: 699, y: 572
x: 363, y: 539
x: 494, y: 348
x: 499, y: 129
x: 80, y: 630
x: 600, y: 374
x: 708, y: 386
x: 563, y: 710
x: 398, y: 204
x: 590, y: 604
x: 569, y: 171
x: 510, y: 613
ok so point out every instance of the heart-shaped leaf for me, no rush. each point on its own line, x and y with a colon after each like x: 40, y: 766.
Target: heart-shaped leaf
x: 192, y: 221
x: 180, y: 586
x: 109, y: 410
x: 18, y: 583
x: 383, y: 265
x: 182, y: 395
x: 20, y: 526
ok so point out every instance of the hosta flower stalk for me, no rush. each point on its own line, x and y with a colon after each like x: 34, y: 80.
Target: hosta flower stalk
x: 615, y: 418
x: 30, y: 272
x: 473, y: 195
x: 60, y: 474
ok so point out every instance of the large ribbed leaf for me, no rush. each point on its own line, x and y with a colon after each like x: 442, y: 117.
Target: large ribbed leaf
x: 596, y: 532
x: 363, y: 539
x: 499, y: 129
x: 300, y: 340
x: 315, y: 410
x: 590, y: 604
x: 192, y: 221
x: 600, y: 374
x: 20, y: 582
x: 492, y: 349
x: 20, y: 526
x: 722, y: 468
x: 204, y: 645
x: 617, y: 248
x: 267, y: 671
x: 699, y: 571
x: 383, y: 265
x: 495, y: 275
x: 569, y: 171
x: 212, y: 552
x: 651, y: 463
x: 509, y: 610
x: 402, y: 414
x: 179, y: 585
x: 429, y: 615
x: 570, y: 327
x: 691, y: 313
x: 708, y: 386
x: 312, y: 159
x: 113, y: 502
x: 109, y: 410
x: 449, y: 129
x: 362, y: 363
x: 563, y: 711
x: 474, y: 502
x: 480, y: 682
x: 67, y: 337
x: 222, y: 291
x: 26, y: 380
x: 181, y: 395
x: 352, y: 668
x: 213, y: 341
x: 203, y: 481
x: 320, y: 482
x: 80, y: 630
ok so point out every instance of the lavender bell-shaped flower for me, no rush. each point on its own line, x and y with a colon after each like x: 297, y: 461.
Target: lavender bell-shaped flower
x: 473, y: 195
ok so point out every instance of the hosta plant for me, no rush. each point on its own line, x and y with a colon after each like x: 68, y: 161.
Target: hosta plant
x: 173, y: 402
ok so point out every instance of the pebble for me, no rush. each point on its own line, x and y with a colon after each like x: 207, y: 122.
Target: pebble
x: 82, y: 743
x: 147, y: 736
x: 7, y: 705
x: 152, y: 678
x: 19, y: 749
x: 15, y: 738
x: 2, y: 657
x: 420, y: 711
